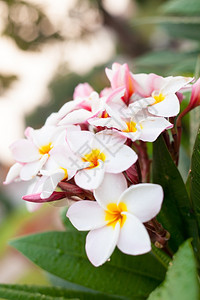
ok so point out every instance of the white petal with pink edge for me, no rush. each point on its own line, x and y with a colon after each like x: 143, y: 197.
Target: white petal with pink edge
x: 116, y: 96
x: 82, y: 90
x: 100, y: 244
x: 24, y: 151
x: 86, y: 215
x: 68, y: 107
x: 52, y: 120
x: 76, y: 117
x: 110, y: 190
x: 133, y: 237
x: 13, y: 173
x: 143, y: 200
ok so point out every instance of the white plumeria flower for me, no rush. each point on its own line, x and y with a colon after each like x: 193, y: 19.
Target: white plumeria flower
x: 116, y: 218
x: 162, y: 91
x: 135, y: 123
x: 55, y: 172
x: 77, y: 111
x: 32, y: 153
x: 97, y: 154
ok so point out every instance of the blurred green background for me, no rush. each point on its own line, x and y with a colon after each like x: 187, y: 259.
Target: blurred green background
x: 48, y: 47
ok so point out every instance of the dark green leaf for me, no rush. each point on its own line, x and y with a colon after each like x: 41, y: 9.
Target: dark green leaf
x: 195, y: 178
x: 26, y: 292
x: 175, y: 214
x: 63, y: 254
x: 181, y: 279
x: 58, y: 282
x: 161, y: 255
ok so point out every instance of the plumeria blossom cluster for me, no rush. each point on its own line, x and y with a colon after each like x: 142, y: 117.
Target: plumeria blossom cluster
x: 93, y: 153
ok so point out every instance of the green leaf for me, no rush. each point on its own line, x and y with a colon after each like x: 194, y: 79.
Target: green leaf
x: 164, y: 58
x: 181, y: 279
x: 172, y: 62
x: 58, y: 282
x: 63, y: 255
x: 177, y: 26
x: 161, y: 256
x: 175, y: 214
x: 182, y: 7
x: 28, y: 292
x: 187, y: 31
x: 195, y: 178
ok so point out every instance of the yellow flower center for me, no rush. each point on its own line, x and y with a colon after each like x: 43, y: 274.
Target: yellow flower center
x: 114, y: 214
x: 93, y: 157
x: 45, y: 149
x: 66, y: 173
x: 158, y: 98
x: 131, y: 127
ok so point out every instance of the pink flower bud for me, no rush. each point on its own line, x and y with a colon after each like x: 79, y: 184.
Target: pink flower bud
x: 82, y: 90
x: 37, y: 199
x: 195, y: 96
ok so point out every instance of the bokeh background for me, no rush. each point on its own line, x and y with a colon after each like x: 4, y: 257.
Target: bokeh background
x: 48, y: 47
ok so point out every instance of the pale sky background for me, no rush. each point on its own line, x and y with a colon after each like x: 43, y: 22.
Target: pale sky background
x: 35, y: 69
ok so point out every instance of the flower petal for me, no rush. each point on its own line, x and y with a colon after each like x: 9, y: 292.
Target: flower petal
x: 110, y: 189
x: 139, y: 106
x: 174, y: 84
x: 45, y: 135
x: 79, y: 141
x: 24, y: 151
x: 52, y: 120
x: 86, y: 215
x: 90, y: 178
x: 65, y: 158
x: 30, y: 170
x: 153, y: 127
x: 50, y: 183
x: 120, y: 159
x: 133, y: 238
x: 108, y: 139
x: 82, y: 90
x: 76, y: 117
x: 143, y: 200
x: 13, y: 173
x: 169, y: 107
x: 100, y: 244
x: 68, y: 107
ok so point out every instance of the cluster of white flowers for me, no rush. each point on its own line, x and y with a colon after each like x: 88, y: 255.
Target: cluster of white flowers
x: 87, y: 144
